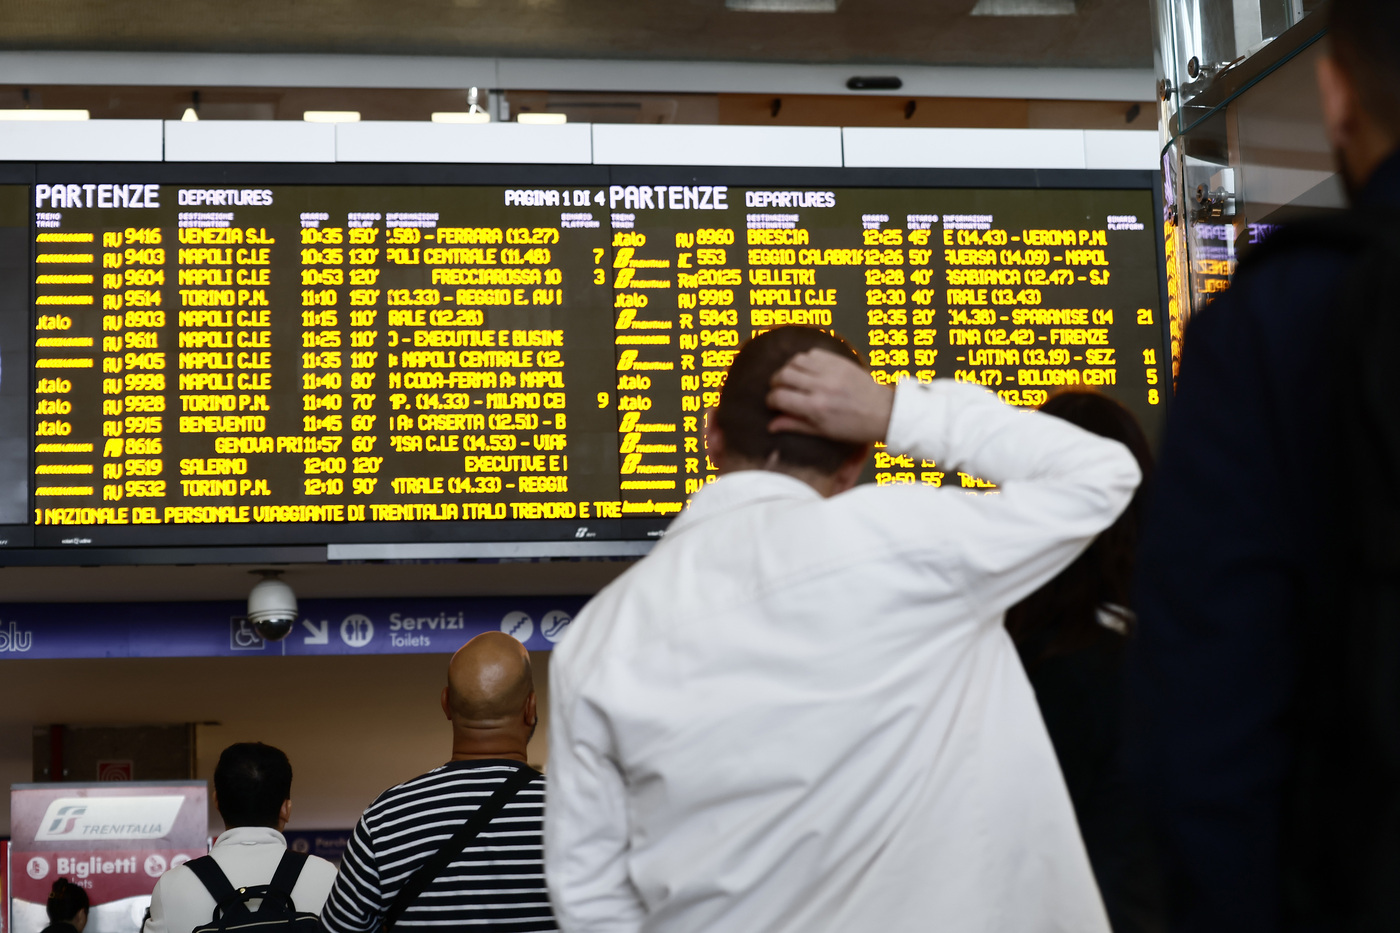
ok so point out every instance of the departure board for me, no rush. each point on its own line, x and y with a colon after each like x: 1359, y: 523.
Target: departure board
x: 269, y: 363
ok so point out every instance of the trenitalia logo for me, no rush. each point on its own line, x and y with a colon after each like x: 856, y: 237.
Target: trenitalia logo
x: 70, y: 818
x: 65, y: 820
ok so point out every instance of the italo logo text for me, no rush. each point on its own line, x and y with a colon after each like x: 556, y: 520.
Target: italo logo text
x: 70, y: 818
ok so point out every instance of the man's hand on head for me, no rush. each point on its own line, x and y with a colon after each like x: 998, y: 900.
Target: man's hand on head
x: 832, y: 396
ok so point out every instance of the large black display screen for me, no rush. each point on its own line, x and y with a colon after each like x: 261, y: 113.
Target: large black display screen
x: 270, y: 363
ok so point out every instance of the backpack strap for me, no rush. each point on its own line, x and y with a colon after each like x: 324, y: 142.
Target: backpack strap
x: 217, y: 884
x: 284, y: 879
x: 453, y: 847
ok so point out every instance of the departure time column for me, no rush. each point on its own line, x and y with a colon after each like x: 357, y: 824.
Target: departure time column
x: 323, y: 255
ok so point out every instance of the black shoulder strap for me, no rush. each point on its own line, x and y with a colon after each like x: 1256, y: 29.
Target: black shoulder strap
x: 216, y: 883
x: 284, y: 879
x: 430, y: 869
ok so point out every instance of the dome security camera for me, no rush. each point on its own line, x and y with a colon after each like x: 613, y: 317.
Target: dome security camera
x: 272, y: 607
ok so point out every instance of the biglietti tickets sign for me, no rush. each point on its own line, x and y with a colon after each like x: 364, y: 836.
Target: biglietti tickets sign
x: 115, y: 839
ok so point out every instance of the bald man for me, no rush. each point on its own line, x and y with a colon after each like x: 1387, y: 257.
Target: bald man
x: 497, y: 881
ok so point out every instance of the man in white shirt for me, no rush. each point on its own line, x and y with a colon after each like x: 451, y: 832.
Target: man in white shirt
x: 253, y: 790
x: 801, y: 712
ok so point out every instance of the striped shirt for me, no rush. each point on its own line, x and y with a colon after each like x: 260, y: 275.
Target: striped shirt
x: 496, y: 883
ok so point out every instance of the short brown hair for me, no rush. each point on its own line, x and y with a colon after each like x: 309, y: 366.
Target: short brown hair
x: 743, y: 414
x: 1366, y: 40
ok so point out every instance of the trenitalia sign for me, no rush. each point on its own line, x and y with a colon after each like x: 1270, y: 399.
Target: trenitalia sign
x: 70, y: 818
x: 114, y: 839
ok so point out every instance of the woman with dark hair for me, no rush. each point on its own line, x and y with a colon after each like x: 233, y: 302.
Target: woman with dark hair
x: 67, y: 907
x: 1071, y: 635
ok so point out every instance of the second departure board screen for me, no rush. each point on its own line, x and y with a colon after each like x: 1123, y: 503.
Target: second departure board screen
x: 263, y: 364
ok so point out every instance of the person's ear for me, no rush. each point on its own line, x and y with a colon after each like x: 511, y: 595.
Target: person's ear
x: 284, y: 815
x: 714, y: 438
x: 532, y: 715
x: 446, y: 707
x: 848, y: 473
x: 1341, y: 102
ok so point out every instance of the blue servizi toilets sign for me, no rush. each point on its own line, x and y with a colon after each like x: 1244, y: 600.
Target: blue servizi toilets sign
x: 325, y: 627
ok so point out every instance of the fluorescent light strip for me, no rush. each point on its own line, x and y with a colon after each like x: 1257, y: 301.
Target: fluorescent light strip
x: 782, y: 6
x: 44, y: 115
x: 543, y: 119
x: 1024, y: 8
x: 331, y: 116
x: 461, y: 117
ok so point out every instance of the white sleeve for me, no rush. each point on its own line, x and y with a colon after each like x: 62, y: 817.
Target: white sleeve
x: 155, y: 917
x: 1059, y: 484
x: 586, y: 825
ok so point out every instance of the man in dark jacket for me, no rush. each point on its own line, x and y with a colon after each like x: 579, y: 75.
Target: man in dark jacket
x: 1230, y: 560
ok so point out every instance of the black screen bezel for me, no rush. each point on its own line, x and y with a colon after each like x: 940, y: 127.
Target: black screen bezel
x: 307, y: 542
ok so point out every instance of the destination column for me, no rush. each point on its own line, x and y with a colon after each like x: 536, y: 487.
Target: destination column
x: 225, y: 369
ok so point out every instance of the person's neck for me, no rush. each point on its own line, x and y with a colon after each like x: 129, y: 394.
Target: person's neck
x: 278, y: 827
x: 1361, y: 160
x: 478, y: 745
x: 823, y: 483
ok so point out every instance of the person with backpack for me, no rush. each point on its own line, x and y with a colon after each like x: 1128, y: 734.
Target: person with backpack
x: 1262, y: 679
x: 461, y: 847
x: 253, y: 791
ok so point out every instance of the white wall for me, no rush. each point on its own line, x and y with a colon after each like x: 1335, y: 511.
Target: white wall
x: 352, y: 726
x: 580, y: 143
x: 23, y: 67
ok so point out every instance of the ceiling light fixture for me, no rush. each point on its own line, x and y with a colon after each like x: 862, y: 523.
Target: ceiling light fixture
x: 464, y: 116
x: 189, y: 116
x: 1024, y: 8
x: 542, y: 119
x: 782, y: 6
x: 45, y: 115
x: 331, y: 116
x: 874, y: 83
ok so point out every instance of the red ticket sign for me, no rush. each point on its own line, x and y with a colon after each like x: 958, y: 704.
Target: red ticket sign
x: 113, y: 838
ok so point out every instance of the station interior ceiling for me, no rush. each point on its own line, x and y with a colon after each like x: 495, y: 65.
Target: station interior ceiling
x: 1099, y: 33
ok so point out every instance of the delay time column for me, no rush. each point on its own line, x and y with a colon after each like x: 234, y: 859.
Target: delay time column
x: 363, y: 351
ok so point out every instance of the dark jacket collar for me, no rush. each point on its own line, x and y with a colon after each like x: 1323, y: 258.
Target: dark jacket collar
x: 1382, y: 189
